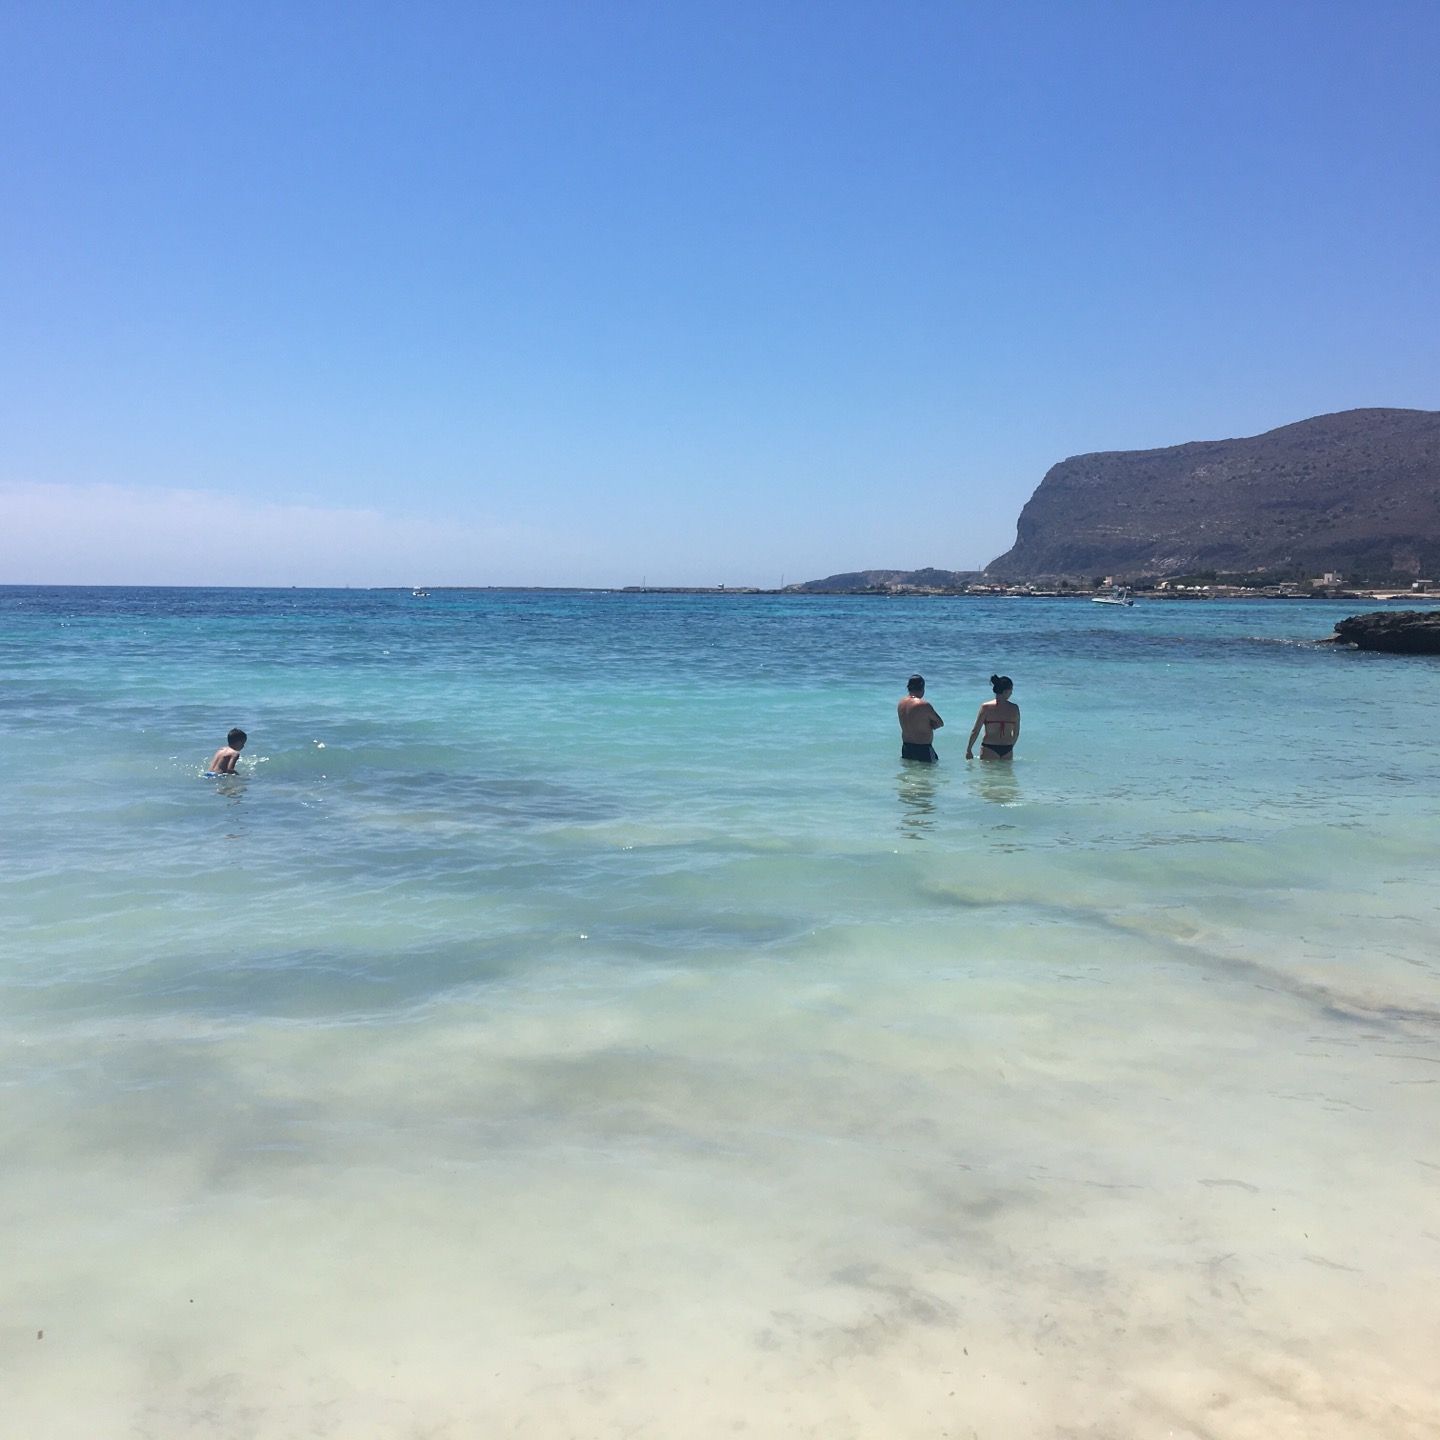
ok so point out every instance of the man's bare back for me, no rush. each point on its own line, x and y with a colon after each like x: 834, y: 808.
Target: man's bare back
x: 919, y: 720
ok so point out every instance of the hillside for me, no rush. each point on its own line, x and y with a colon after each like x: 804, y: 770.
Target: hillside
x: 1356, y: 492
x: 860, y: 582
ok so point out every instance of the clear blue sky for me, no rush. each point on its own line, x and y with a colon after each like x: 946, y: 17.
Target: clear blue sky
x: 585, y: 293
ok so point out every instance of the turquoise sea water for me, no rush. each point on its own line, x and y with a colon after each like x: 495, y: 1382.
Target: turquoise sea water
x: 574, y: 1020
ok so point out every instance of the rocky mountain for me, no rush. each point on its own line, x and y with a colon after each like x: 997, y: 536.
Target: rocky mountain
x: 862, y: 582
x: 1357, y: 492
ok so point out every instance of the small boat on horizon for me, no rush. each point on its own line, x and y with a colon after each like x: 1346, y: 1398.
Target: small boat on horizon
x: 1120, y: 595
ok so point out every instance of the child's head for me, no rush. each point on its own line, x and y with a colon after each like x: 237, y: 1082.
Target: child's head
x: 236, y: 739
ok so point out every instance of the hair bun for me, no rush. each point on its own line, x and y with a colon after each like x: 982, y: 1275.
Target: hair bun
x: 994, y: 679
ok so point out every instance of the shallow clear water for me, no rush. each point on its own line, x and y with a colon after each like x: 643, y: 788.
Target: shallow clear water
x: 574, y: 1020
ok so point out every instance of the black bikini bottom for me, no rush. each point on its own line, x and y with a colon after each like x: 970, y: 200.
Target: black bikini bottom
x: 999, y: 751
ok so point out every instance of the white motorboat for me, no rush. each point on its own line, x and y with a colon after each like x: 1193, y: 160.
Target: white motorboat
x: 1120, y: 595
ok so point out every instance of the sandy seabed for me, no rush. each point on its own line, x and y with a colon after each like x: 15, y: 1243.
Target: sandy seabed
x: 856, y: 1199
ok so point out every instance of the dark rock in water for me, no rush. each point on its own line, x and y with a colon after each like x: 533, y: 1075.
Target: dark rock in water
x: 1401, y: 632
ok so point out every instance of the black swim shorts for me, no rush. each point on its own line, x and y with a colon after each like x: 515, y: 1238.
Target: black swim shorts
x: 918, y: 752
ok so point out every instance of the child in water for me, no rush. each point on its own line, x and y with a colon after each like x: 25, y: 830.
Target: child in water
x: 225, y: 757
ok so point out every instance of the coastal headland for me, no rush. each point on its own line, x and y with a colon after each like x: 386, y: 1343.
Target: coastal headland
x: 1336, y: 506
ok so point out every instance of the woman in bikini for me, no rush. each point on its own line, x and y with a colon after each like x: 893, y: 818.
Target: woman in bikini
x: 1000, y: 719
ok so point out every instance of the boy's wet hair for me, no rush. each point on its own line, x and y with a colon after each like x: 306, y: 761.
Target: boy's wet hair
x: 916, y: 684
x: 236, y: 738
x: 999, y: 683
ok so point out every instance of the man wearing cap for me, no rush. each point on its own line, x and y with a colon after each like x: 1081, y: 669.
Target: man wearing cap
x: 918, y: 723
